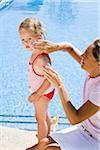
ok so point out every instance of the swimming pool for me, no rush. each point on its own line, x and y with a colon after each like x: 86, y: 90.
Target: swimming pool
x: 64, y: 20
x: 4, y: 4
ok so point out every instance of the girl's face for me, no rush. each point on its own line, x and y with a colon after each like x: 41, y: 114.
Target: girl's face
x: 88, y: 62
x: 27, y: 39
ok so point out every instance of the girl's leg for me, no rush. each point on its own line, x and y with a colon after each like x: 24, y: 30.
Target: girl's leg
x: 41, y: 107
x: 48, y: 119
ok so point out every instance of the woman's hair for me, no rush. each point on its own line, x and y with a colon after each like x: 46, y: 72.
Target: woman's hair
x: 32, y: 24
x: 96, y: 50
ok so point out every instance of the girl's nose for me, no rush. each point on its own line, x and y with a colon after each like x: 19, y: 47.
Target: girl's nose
x: 25, y: 42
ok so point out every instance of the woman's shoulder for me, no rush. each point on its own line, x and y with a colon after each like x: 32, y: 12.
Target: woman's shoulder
x: 95, y: 81
x: 94, y: 94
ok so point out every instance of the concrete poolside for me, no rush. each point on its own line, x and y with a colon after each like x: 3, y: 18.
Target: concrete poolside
x: 16, y: 139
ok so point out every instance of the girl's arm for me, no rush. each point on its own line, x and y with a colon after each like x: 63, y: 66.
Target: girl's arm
x: 45, y: 85
x: 36, y: 95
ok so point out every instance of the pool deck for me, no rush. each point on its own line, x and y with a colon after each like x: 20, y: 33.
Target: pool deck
x: 16, y: 139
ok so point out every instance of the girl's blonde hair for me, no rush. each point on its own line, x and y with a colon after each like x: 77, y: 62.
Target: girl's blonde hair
x: 33, y: 25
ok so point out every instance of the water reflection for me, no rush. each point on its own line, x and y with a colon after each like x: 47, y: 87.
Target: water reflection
x: 28, y: 5
x: 62, y: 11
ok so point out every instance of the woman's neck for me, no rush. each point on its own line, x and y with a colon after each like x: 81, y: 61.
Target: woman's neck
x: 95, y: 74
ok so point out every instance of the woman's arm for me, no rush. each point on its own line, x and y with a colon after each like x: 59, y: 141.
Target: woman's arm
x: 74, y: 115
x: 49, y: 47
x: 73, y: 51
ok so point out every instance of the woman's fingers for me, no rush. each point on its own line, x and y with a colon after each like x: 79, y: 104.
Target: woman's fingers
x: 45, y: 45
x: 48, y: 73
x: 40, y: 43
x: 51, y: 75
x: 49, y: 78
x: 50, y: 70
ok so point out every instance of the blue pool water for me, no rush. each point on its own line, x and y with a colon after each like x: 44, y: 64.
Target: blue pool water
x: 4, y: 4
x: 64, y: 20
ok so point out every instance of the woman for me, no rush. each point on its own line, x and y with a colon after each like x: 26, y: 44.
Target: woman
x: 87, y: 134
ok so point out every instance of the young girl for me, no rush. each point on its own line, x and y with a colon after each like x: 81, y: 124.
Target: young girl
x: 86, y: 135
x: 42, y: 92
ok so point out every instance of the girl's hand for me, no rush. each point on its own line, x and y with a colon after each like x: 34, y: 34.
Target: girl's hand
x: 52, y: 76
x: 46, y: 46
x: 34, y: 97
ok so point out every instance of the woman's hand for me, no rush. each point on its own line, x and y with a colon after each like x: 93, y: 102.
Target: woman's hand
x: 34, y: 97
x: 52, y: 76
x: 46, y: 46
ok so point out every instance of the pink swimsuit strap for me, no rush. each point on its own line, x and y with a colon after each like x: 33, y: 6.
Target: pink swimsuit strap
x: 44, y: 54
